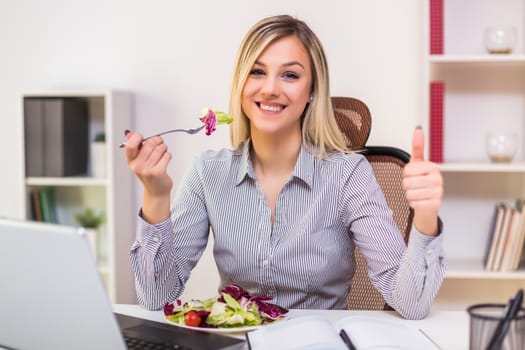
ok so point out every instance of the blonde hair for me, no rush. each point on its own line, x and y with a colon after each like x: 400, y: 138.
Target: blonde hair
x: 319, y: 127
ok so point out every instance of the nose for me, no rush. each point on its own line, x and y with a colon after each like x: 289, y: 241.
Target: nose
x: 270, y: 86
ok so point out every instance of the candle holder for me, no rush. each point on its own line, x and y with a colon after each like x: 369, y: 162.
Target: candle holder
x: 500, y: 39
x: 501, y: 148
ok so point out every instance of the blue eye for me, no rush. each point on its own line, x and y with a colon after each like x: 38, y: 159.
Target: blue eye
x: 257, y: 72
x: 291, y: 76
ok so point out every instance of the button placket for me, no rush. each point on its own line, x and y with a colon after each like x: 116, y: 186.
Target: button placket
x: 265, y: 230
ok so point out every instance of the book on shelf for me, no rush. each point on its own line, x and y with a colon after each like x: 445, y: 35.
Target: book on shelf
x: 495, y: 224
x: 66, y: 136
x: 34, y: 137
x: 436, y: 27
x: 36, y: 208
x: 513, y: 238
x: 352, y: 332
x: 437, y: 91
x: 56, y: 136
x: 43, y: 205
x: 520, y: 246
x: 502, y: 240
x: 506, y: 237
x: 496, y: 236
x: 521, y: 259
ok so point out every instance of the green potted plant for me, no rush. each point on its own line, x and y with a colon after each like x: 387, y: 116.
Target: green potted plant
x: 100, y: 137
x: 90, y: 221
x: 89, y: 218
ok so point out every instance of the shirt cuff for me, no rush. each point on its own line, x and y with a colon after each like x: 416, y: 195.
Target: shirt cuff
x: 152, y: 235
x: 421, y: 246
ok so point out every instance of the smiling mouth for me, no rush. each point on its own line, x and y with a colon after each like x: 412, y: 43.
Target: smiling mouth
x: 268, y: 108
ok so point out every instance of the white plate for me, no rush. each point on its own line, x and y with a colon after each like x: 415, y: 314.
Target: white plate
x: 222, y: 330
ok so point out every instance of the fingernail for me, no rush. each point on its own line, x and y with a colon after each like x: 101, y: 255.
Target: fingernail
x: 126, y: 132
x: 419, y: 127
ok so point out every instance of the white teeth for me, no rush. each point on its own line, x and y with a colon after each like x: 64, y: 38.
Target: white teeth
x: 270, y: 108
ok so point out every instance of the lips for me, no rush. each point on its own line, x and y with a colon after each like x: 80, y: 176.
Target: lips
x: 270, y: 107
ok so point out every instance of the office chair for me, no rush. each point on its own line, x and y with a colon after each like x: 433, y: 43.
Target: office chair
x: 354, y: 119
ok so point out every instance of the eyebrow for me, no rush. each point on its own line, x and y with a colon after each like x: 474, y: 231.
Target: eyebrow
x: 287, y: 64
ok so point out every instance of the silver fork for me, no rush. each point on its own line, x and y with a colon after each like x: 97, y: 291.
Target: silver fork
x: 188, y: 131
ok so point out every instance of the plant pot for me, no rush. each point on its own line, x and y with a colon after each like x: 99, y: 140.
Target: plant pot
x: 92, y: 237
x: 98, y: 159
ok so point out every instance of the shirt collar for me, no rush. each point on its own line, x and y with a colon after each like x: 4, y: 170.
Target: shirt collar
x: 245, y: 166
x: 305, y: 166
x: 303, y: 170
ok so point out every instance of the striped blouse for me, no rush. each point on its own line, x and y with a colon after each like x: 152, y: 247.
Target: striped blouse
x: 306, y: 260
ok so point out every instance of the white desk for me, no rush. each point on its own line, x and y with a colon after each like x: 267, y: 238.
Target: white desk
x: 448, y: 329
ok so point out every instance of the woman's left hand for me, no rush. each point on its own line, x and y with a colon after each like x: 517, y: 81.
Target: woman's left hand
x: 423, y: 185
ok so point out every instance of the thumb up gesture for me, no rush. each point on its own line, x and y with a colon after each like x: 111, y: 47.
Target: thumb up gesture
x: 423, y: 185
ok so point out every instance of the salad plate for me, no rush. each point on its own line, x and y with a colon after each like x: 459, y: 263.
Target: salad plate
x: 233, y: 311
x: 223, y: 330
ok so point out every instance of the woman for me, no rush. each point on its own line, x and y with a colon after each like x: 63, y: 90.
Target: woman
x: 288, y: 204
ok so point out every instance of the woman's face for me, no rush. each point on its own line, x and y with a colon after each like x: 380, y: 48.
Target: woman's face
x: 278, y: 87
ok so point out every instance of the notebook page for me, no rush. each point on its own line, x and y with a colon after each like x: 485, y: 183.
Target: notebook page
x: 304, y: 333
x: 375, y: 333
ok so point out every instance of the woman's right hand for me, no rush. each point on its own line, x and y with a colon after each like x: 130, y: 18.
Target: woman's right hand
x: 149, y: 161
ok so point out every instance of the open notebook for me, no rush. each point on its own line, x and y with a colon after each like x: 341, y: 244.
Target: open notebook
x: 349, y: 333
x: 52, y: 297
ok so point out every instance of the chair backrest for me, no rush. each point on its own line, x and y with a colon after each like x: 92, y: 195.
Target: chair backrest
x: 354, y: 120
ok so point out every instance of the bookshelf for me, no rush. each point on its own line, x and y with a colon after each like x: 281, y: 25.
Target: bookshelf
x: 483, y: 93
x: 108, y: 111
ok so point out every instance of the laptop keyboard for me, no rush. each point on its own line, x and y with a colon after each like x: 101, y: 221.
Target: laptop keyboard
x: 141, y: 344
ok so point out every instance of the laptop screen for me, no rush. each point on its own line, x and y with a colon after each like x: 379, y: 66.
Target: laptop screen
x: 52, y: 296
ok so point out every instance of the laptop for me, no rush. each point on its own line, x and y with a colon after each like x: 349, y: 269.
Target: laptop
x: 52, y: 297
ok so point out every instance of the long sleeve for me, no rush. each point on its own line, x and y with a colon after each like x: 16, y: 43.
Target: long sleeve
x: 420, y: 274
x: 407, y: 277
x: 163, y: 255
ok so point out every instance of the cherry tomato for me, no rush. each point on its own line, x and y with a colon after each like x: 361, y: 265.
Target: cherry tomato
x: 192, y: 319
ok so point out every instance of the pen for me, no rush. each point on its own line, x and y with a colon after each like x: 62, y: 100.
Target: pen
x: 347, y: 340
x: 430, y: 339
x: 511, y: 310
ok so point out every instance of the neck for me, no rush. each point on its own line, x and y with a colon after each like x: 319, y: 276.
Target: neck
x: 275, y: 156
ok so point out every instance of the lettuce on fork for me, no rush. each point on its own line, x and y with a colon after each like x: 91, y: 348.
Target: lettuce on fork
x: 212, y: 117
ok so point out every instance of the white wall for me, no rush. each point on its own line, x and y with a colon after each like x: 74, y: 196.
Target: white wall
x: 177, y: 58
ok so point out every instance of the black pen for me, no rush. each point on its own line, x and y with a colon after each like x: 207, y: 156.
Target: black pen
x: 511, y: 310
x: 347, y: 340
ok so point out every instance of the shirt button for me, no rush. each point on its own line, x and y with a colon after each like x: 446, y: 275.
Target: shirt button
x: 429, y: 251
x: 156, y: 239
x: 265, y: 263
x: 270, y: 292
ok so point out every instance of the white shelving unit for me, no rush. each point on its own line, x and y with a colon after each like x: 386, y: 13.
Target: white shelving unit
x: 109, y: 112
x: 483, y: 93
